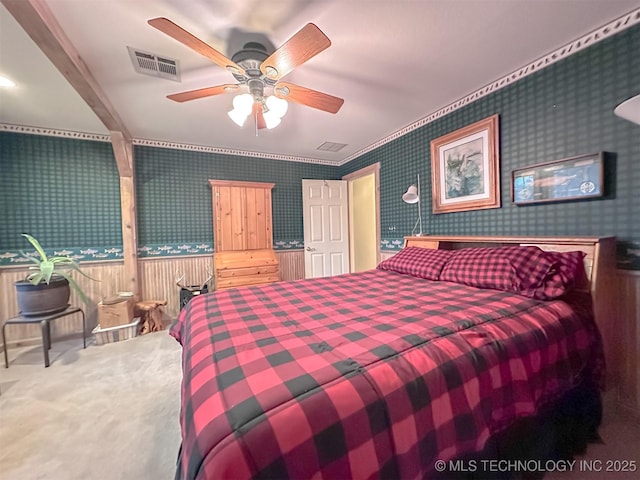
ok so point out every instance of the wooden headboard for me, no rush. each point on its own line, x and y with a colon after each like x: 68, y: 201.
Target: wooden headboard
x: 599, y: 265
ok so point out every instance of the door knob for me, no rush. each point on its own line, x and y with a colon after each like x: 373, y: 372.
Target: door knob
x: 309, y: 249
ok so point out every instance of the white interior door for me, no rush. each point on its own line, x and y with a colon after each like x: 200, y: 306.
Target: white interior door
x: 326, y: 228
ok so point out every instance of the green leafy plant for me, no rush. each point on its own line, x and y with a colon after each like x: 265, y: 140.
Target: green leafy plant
x: 45, y: 267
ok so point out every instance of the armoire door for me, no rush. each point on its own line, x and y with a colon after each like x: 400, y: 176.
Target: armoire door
x: 241, y: 215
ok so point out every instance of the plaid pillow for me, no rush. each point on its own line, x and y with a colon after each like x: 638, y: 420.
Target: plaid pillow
x: 418, y: 262
x: 568, y: 273
x: 570, y: 266
x: 514, y: 268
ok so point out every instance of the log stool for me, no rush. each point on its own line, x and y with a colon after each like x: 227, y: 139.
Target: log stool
x: 150, y: 313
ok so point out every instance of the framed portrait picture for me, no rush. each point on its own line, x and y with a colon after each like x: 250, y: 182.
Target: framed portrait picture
x: 465, y: 173
x: 571, y: 178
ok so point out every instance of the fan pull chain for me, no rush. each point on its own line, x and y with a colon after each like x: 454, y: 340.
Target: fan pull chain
x: 256, y: 120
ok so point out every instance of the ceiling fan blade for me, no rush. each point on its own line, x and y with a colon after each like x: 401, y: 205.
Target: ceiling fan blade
x: 308, y: 97
x: 257, y: 114
x: 202, y: 92
x: 307, y: 43
x: 181, y: 35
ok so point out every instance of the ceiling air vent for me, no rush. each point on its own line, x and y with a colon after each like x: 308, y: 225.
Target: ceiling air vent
x: 331, y: 146
x: 154, y: 65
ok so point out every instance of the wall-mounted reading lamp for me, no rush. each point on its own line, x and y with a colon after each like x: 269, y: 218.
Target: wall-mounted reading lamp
x: 629, y: 110
x: 412, y: 195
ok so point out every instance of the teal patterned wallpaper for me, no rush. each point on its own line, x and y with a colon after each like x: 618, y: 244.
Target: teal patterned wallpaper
x: 66, y: 191
x: 562, y: 111
x: 63, y: 191
x: 174, y: 196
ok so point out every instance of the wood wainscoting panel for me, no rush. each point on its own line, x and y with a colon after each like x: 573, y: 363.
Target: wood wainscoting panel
x: 111, y: 280
x: 158, y: 278
x: 291, y: 264
x: 384, y: 254
x: 628, y: 313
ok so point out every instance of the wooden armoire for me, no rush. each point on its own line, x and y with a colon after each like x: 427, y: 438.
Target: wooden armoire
x: 242, y: 234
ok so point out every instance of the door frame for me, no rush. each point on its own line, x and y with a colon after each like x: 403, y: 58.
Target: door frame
x: 375, y: 169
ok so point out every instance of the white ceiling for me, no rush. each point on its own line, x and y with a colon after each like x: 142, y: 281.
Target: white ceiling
x: 393, y: 62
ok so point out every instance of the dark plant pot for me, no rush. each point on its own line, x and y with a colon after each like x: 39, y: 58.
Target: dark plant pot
x: 43, y: 298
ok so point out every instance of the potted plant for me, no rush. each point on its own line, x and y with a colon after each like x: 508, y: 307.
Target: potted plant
x: 46, y: 289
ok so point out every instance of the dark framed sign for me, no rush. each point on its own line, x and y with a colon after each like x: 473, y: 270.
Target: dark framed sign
x: 567, y: 179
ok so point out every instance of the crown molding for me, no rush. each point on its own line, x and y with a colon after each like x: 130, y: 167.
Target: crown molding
x: 230, y: 151
x: 608, y: 30
x: 52, y: 132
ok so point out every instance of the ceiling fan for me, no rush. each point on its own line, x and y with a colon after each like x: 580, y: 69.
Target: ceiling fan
x: 260, y: 72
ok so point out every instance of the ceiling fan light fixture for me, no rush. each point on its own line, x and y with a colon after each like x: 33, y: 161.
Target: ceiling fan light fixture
x: 277, y: 105
x: 238, y: 116
x: 271, y: 119
x: 243, y: 103
x: 256, y: 70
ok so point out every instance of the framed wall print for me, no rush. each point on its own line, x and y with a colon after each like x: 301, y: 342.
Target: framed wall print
x: 567, y: 179
x: 465, y: 172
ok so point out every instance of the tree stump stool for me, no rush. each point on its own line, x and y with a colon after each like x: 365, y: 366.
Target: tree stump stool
x: 150, y: 313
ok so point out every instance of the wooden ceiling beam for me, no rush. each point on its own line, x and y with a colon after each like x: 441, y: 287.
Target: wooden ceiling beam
x: 123, y: 153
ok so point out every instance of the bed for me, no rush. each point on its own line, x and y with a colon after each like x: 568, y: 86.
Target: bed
x: 440, y: 353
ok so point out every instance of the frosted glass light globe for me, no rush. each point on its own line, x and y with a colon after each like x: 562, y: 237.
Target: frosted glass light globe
x: 271, y: 119
x: 237, y: 116
x: 277, y: 105
x: 243, y: 103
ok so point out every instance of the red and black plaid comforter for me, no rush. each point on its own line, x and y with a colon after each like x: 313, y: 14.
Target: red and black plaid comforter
x: 374, y: 374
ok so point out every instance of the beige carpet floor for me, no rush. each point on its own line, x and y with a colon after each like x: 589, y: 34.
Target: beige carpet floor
x: 111, y: 412
x: 107, y: 412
